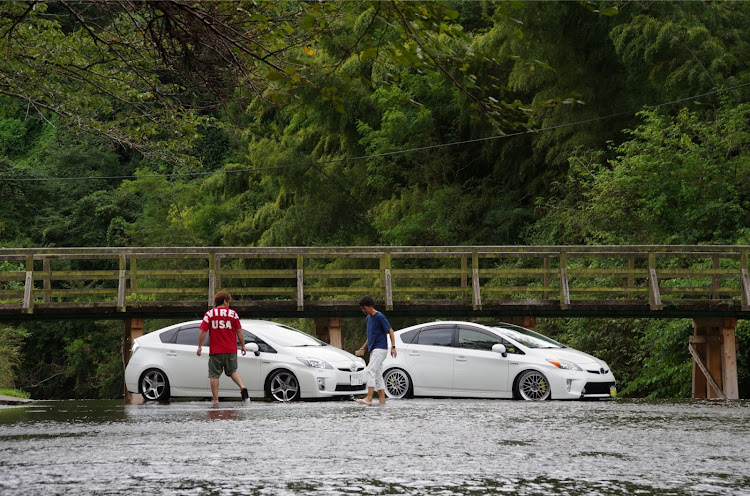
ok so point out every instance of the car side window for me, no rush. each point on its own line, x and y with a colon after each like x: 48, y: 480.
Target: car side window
x: 189, y: 335
x: 436, y: 336
x: 476, y: 340
x: 262, y: 345
x: 409, y: 336
x: 169, y: 336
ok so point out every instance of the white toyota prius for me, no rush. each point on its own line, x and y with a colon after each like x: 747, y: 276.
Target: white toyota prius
x: 282, y: 364
x: 469, y: 360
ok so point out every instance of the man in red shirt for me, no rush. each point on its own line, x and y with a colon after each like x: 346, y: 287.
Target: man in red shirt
x: 224, y: 328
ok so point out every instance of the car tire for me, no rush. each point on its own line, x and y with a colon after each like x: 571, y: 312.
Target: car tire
x: 532, y: 385
x: 398, y: 384
x: 154, y: 385
x: 282, y: 386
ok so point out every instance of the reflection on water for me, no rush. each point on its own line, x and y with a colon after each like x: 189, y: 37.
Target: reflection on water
x: 412, y: 447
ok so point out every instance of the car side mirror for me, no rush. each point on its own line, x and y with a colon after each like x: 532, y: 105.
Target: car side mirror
x: 253, y: 347
x: 500, y: 348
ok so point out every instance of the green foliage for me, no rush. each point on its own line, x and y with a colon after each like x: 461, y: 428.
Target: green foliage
x: 81, y: 359
x: 15, y: 393
x: 667, y: 365
x: 680, y: 179
x: 11, y: 343
x: 298, y: 139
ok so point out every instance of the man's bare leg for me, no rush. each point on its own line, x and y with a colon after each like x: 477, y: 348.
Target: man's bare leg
x: 215, y: 391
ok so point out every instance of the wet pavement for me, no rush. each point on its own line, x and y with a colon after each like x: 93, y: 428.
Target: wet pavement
x: 415, y: 447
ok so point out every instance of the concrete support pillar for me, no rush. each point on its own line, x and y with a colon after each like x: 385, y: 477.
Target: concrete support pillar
x: 714, y: 349
x: 527, y: 321
x: 328, y: 329
x: 133, y: 329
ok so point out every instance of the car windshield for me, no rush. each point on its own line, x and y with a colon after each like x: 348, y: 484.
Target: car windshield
x: 289, y: 336
x: 528, y: 338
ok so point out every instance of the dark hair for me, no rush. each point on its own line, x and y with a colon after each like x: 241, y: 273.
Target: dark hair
x: 221, y: 297
x: 367, y: 301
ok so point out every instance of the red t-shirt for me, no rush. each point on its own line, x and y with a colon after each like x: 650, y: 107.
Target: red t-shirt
x: 222, y: 325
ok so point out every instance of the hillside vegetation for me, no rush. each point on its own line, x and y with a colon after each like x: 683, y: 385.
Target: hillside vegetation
x: 371, y: 123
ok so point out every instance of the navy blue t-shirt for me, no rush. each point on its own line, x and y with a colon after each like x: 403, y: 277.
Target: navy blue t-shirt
x: 377, y: 331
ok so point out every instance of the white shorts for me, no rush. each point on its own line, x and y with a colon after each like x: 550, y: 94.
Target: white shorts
x: 375, y: 369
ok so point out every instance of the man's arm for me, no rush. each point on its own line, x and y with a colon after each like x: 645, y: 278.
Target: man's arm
x: 201, y: 337
x: 241, y: 337
x: 393, y: 342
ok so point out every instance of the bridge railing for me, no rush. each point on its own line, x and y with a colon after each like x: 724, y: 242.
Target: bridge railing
x: 476, y: 277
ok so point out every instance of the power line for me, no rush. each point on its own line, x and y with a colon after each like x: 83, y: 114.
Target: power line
x: 385, y: 154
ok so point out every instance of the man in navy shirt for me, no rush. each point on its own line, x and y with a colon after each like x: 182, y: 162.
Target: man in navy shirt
x: 378, y: 331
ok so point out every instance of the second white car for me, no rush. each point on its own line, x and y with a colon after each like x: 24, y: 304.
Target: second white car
x: 464, y: 359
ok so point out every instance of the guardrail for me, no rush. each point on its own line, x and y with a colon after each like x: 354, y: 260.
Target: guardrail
x: 542, y: 280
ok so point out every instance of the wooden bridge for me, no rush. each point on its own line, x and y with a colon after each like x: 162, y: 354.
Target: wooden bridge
x: 707, y: 283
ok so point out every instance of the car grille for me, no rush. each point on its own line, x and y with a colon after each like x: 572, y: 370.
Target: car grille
x: 346, y: 387
x: 359, y: 369
x: 597, y: 388
x: 600, y: 371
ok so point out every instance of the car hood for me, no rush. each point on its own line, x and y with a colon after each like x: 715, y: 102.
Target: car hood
x: 330, y: 354
x: 571, y: 355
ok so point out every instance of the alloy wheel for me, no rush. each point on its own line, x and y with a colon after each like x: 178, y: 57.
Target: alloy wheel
x: 533, y: 386
x: 284, y: 386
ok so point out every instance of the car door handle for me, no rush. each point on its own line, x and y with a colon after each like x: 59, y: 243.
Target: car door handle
x: 413, y: 354
x: 461, y: 359
x: 171, y: 354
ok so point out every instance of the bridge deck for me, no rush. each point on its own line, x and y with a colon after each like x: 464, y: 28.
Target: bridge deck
x: 117, y: 283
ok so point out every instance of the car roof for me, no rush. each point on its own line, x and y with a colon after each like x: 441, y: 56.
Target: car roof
x: 462, y: 322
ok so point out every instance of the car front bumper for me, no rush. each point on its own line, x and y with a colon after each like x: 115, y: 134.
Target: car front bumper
x: 327, y: 383
x: 582, y: 385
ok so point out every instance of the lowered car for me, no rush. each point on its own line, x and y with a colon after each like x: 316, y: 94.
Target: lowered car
x: 281, y: 363
x: 468, y: 360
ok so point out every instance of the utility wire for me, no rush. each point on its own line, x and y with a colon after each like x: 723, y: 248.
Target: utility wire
x: 384, y: 154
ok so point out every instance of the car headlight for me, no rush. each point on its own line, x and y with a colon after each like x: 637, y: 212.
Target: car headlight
x: 134, y: 348
x: 565, y: 365
x: 315, y: 363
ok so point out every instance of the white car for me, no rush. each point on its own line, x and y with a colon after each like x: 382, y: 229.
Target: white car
x: 464, y: 359
x: 282, y: 363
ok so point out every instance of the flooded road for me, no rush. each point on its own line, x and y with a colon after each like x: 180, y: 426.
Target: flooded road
x: 414, y: 447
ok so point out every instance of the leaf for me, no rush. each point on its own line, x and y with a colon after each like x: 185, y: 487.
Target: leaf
x: 609, y: 11
x: 368, y: 54
x: 307, y: 22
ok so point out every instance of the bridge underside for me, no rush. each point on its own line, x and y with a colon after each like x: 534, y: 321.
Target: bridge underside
x: 268, y: 309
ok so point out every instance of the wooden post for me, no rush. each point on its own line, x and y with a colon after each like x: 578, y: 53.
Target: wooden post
x: 46, y: 267
x: 388, y: 282
x: 564, y: 288
x: 477, y: 296
x: 328, y: 329
x: 133, y: 330
x: 121, y: 283
x: 631, y: 276
x: 715, y: 283
x: 300, y: 283
x: 28, y: 288
x: 464, y: 272
x: 714, y: 350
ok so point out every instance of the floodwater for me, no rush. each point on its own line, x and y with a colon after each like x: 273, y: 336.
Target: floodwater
x: 416, y: 447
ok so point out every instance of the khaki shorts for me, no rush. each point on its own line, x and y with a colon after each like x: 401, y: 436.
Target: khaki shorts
x: 226, y: 362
